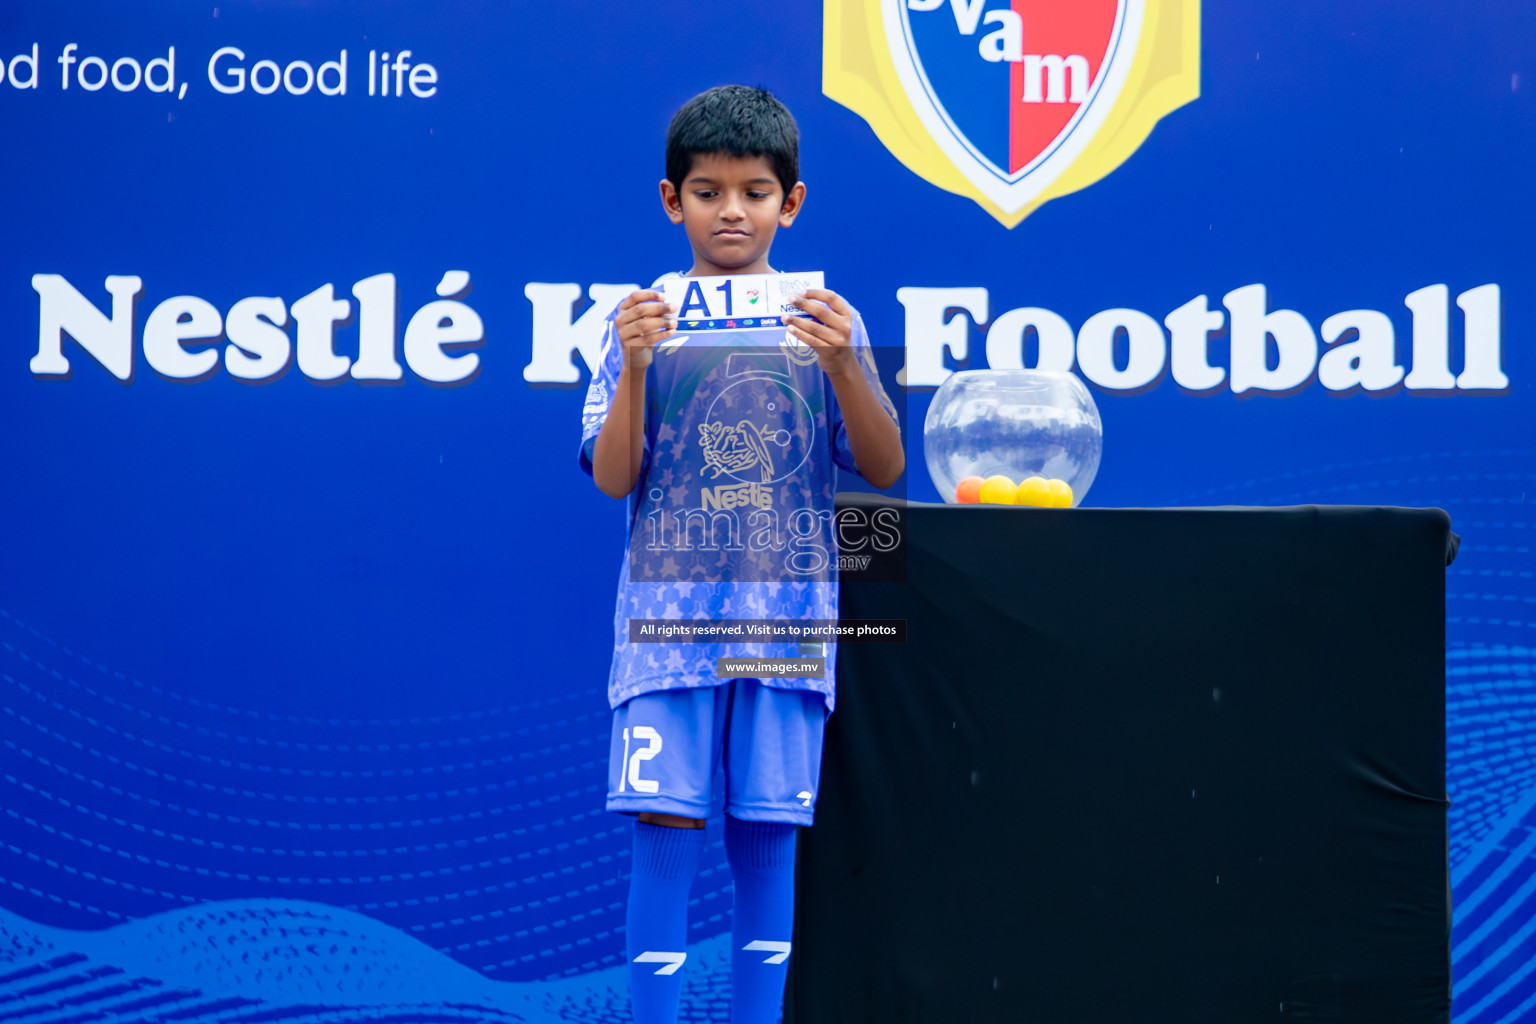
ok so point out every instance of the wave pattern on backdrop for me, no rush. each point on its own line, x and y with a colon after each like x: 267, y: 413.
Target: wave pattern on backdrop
x: 280, y: 960
x: 482, y: 834
x: 452, y: 842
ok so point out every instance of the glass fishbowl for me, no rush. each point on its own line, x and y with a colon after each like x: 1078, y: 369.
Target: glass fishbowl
x: 1026, y: 437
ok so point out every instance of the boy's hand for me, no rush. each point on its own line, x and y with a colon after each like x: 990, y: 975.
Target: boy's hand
x: 644, y: 320
x: 833, y: 337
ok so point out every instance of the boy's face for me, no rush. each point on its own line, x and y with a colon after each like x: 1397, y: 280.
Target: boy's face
x: 730, y: 206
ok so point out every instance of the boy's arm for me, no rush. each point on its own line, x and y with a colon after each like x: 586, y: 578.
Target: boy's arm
x: 620, y: 444
x: 642, y: 321
x: 872, y: 434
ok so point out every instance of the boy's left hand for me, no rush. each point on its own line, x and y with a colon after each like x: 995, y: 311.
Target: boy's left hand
x: 833, y: 337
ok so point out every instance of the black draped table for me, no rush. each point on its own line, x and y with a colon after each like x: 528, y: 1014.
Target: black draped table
x: 1135, y: 766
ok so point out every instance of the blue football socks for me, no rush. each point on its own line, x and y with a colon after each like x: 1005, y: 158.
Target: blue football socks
x: 762, y: 859
x: 656, y: 923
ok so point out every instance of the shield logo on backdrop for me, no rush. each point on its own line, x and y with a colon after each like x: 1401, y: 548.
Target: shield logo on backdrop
x: 1012, y: 102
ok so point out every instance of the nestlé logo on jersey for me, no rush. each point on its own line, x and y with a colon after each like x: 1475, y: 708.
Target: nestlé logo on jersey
x: 1012, y: 103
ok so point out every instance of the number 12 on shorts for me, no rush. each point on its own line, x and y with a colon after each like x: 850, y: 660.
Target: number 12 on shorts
x: 632, y: 760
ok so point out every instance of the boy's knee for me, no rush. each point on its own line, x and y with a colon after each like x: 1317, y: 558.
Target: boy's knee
x: 671, y: 820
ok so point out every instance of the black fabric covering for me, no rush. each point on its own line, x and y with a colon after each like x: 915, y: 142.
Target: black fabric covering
x: 1137, y: 767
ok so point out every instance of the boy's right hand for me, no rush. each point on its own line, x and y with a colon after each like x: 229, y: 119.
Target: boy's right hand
x: 644, y: 320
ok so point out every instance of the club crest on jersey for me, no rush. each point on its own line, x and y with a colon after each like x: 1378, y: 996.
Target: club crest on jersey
x: 737, y: 449
x: 1012, y: 102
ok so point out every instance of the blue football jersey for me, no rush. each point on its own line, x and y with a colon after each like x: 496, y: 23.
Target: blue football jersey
x: 731, y: 517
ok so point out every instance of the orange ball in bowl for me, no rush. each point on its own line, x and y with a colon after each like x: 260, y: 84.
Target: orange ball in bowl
x: 968, y: 491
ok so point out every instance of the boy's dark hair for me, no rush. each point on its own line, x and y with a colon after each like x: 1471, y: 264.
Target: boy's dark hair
x: 734, y: 120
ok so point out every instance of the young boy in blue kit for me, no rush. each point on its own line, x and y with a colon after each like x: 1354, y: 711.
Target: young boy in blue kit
x: 670, y: 418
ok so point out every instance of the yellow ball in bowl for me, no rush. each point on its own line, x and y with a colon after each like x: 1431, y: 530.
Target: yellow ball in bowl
x: 1059, y: 493
x: 1033, y: 491
x: 998, y: 490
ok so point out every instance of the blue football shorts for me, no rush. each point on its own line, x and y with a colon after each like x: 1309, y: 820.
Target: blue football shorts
x: 750, y: 750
